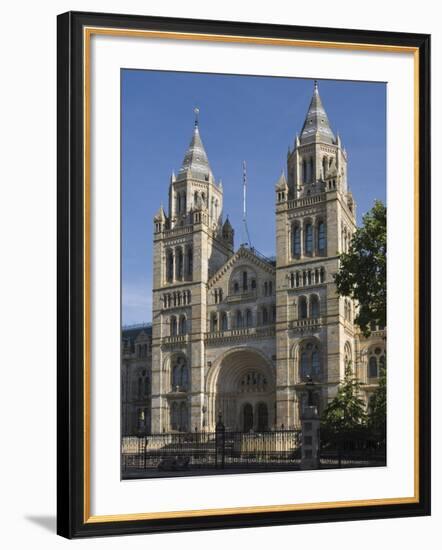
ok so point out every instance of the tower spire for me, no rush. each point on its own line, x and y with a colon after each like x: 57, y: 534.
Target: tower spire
x: 195, y: 160
x: 316, y: 125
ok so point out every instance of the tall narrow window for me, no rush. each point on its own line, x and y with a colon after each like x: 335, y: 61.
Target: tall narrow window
x: 189, y: 263
x: 213, y: 322
x: 169, y: 267
x: 238, y: 319
x: 183, y: 325
x: 305, y: 370
x: 321, y: 237
x: 244, y: 280
x: 179, y: 266
x: 314, y: 305
x: 373, y: 367
x: 265, y: 316
x: 173, y: 326
x: 302, y: 307
x: 248, y: 318
x: 315, y: 363
x: 312, y: 176
x: 296, y: 239
x: 224, y: 323
x: 304, y: 171
x: 309, y: 238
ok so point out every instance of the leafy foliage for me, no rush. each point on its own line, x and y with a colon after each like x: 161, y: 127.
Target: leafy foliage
x: 345, y: 416
x: 363, y: 270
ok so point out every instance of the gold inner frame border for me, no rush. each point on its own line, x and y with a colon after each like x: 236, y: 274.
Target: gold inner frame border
x: 88, y: 32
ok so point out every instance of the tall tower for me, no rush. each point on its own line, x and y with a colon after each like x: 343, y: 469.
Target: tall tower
x: 315, y: 218
x: 190, y: 244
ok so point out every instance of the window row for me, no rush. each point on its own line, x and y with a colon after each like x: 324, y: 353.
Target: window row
x: 308, y: 239
x: 141, y: 386
x: 309, y: 307
x: 307, y: 277
x: 376, y: 362
x: 308, y: 168
x: 264, y: 315
x: 218, y: 295
x: 242, y: 282
x: 142, y: 349
x: 178, y: 325
x: 179, y: 374
x: 253, y: 382
x: 174, y: 299
x: 309, y: 360
x: 179, y: 263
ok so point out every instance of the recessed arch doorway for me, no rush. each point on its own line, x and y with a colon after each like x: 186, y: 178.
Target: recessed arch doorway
x: 242, y: 389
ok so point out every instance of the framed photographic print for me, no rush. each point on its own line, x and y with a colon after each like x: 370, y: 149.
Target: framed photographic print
x: 227, y: 193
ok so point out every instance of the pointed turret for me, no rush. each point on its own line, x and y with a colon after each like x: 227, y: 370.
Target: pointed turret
x: 316, y: 126
x: 281, y: 184
x: 195, y: 163
x: 160, y: 215
x: 228, y: 232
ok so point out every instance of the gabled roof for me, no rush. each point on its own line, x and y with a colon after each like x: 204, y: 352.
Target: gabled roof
x: 316, y: 124
x: 195, y: 163
x: 243, y: 252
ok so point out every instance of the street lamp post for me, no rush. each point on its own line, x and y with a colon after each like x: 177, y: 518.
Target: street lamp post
x: 310, y: 430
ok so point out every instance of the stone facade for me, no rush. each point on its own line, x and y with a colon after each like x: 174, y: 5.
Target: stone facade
x: 239, y: 334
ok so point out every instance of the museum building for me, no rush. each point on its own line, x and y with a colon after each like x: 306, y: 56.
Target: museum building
x: 236, y: 335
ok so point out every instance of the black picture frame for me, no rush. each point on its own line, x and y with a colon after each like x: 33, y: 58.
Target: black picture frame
x: 72, y: 505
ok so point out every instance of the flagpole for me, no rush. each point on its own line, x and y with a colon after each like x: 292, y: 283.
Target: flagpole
x: 244, y: 217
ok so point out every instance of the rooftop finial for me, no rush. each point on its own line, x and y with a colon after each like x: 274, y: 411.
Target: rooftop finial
x: 197, y: 112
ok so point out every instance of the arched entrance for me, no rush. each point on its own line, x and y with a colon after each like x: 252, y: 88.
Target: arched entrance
x: 242, y: 388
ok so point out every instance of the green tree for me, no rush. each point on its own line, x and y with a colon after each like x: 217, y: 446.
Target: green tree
x: 345, y: 417
x: 363, y: 270
x: 377, y: 418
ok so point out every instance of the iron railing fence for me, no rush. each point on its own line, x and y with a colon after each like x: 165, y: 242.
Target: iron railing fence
x: 169, y: 452
x: 164, y: 454
x: 352, y: 453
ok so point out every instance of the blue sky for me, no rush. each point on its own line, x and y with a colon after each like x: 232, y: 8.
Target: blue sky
x: 241, y: 118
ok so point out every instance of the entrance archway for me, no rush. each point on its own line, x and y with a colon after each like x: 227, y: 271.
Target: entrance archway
x: 242, y: 388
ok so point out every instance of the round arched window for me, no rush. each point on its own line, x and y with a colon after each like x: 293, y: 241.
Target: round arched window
x: 309, y: 360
